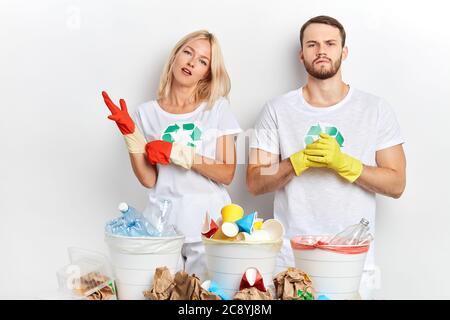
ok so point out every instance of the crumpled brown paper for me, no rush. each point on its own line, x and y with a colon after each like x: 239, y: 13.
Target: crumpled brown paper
x: 163, y: 284
x: 181, y: 287
x: 287, y: 284
x: 189, y: 288
x: 252, y: 293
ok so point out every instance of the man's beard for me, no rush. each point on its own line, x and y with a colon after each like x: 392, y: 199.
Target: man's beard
x: 323, y: 73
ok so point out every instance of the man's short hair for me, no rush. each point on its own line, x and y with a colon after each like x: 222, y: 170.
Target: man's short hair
x: 323, y: 20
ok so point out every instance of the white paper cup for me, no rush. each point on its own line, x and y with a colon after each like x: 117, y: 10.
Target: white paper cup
x: 230, y: 229
x: 274, y: 228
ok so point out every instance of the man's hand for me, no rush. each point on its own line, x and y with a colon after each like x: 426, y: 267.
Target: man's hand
x: 300, y: 162
x: 163, y: 152
x: 326, y: 152
x: 133, y: 137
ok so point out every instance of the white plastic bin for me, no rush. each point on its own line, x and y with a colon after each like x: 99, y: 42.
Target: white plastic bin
x: 334, y: 274
x: 228, y: 260
x: 134, y: 260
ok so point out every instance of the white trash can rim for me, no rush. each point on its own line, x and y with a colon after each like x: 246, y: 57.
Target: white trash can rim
x: 144, y: 245
x: 143, y: 238
x: 240, y: 243
x: 309, y: 242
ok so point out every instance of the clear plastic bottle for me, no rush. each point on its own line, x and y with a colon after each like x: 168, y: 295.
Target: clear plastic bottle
x: 353, y: 234
x: 129, y: 213
x: 135, y: 224
x: 158, y: 215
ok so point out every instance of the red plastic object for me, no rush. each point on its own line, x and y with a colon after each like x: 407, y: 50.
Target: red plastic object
x: 258, y: 283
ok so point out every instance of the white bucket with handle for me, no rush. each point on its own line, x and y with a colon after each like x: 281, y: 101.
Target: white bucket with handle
x: 134, y: 260
x: 227, y: 261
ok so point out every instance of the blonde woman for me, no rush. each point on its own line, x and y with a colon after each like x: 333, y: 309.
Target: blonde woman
x: 182, y: 145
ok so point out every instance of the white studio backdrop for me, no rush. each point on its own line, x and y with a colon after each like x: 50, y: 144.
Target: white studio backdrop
x: 64, y: 166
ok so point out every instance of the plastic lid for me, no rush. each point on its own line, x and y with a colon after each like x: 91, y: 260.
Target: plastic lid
x: 123, y: 207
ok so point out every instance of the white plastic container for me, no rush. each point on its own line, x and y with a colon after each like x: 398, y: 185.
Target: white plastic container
x: 334, y: 274
x: 134, y: 260
x: 228, y: 260
x: 88, y: 276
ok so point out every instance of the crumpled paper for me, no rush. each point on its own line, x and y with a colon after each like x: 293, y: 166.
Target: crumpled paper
x: 163, y: 284
x: 293, y: 284
x: 252, y: 293
x: 181, y: 287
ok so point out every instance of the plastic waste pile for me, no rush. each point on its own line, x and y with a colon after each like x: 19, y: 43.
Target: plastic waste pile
x: 235, y: 226
x: 132, y: 223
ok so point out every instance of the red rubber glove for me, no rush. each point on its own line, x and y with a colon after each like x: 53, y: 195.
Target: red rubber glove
x: 158, y: 151
x: 163, y: 152
x: 120, y: 116
x: 133, y: 137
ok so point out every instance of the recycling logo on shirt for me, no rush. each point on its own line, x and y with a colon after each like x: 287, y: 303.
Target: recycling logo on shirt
x: 315, y: 130
x: 187, y: 133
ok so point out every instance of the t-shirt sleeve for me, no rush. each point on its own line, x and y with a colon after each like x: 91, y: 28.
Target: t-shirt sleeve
x: 228, y: 125
x: 265, y: 134
x: 388, y: 129
x: 137, y: 119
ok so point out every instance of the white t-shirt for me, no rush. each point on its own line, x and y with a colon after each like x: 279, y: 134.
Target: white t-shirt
x: 191, y: 194
x: 319, y: 201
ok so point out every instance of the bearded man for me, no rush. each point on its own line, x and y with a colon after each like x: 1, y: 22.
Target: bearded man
x: 326, y: 148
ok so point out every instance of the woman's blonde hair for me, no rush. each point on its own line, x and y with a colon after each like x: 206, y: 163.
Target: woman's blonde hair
x: 216, y: 84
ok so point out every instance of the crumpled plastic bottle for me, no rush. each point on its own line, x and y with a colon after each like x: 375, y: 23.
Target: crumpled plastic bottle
x: 130, y: 224
x: 353, y: 235
x: 133, y: 223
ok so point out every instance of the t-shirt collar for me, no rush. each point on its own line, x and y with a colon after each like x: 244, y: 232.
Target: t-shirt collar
x: 200, y: 107
x: 311, y: 108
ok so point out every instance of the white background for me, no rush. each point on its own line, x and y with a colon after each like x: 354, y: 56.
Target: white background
x: 64, y: 166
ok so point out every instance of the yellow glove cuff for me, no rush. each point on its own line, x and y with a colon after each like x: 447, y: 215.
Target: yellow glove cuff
x: 135, y: 142
x: 352, y: 168
x: 182, y: 155
x: 298, y: 161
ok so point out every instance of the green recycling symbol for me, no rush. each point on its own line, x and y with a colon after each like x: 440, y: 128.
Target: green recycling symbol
x: 187, y: 133
x: 315, y: 131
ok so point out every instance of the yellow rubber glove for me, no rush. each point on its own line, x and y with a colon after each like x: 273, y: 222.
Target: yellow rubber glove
x: 300, y: 162
x: 326, y: 151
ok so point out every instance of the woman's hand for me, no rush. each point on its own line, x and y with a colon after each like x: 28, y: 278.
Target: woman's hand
x: 133, y: 137
x: 163, y: 152
x: 120, y: 116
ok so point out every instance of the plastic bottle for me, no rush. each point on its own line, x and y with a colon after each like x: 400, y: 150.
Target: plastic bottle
x: 131, y: 223
x: 135, y: 224
x: 353, y: 234
x: 117, y: 226
x: 129, y: 213
x: 158, y: 215
x: 366, y: 239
